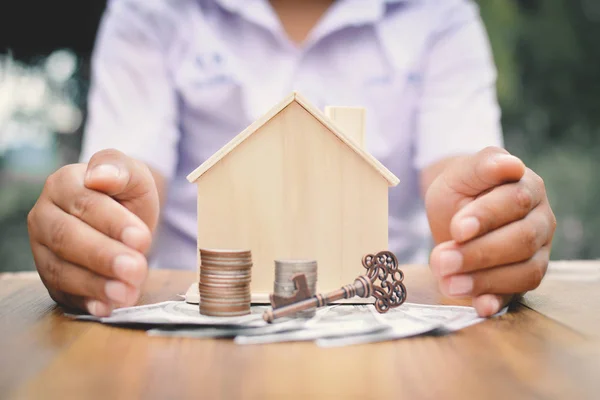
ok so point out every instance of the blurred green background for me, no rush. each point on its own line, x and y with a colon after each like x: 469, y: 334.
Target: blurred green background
x: 547, y: 54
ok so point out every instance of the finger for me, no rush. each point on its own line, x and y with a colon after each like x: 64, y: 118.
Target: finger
x: 487, y: 169
x: 118, y: 175
x: 487, y: 305
x: 98, y: 308
x: 71, y: 279
x: 97, y: 209
x: 74, y: 241
x: 515, y: 242
x: 506, y: 279
x: 500, y: 206
x: 78, y: 303
x: 127, y: 180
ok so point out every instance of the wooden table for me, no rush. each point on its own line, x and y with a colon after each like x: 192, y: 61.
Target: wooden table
x: 520, y: 355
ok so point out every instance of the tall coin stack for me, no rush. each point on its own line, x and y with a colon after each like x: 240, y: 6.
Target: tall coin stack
x: 284, y: 286
x: 224, y: 283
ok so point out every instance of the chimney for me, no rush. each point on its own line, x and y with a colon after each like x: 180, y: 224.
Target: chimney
x: 350, y: 120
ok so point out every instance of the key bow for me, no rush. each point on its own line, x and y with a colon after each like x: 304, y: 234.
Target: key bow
x: 383, y: 267
x: 383, y: 280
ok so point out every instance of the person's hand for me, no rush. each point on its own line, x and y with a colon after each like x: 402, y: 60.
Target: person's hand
x: 494, y: 225
x: 90, y: 229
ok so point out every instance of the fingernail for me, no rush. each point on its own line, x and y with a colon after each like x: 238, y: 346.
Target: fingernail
x: 468, y: 228
x: 126, y: 268
x: 450, y: 262
x: 493, y: 305
x: 116, y: 291
x: 460, y: 285
x: 103, y: 171
x: 98, y: 308
x: 503, y: 158
x: 134, y: 237
x: 92, y: 307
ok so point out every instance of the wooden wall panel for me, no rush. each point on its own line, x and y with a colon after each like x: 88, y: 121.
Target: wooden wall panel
x: 294, y: 190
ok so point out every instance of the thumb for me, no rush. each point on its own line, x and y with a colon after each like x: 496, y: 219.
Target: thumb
x: 485, y: 170
x: 127, y: 180
x: 465, y: 179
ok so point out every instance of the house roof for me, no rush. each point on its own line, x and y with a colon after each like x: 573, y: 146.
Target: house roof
x: 256, y: 125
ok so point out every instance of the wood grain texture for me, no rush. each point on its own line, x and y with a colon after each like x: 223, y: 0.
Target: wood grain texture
x: 350, y: 120
x: 298, y: 194
x: 521, y: 355
x: 568, y: 294
x: 274, y: 112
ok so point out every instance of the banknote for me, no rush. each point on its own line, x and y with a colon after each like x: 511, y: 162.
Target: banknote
x: 410, y: 320
x: 396, y: 325
x: 333, y: 321
x: 448, y: 317
x: 175, y: 312
x: 338, y: 325
x: 452, y: 318
x: 198, y: 332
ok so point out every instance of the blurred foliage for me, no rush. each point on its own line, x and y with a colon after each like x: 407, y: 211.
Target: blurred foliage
x: 15, y: 202
x: 549, y: 89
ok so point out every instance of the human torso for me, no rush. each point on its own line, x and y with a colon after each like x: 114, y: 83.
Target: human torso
x: 233, y: 62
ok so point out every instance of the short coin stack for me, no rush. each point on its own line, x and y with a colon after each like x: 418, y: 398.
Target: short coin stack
x: 224, y: 283
x: 284, y: 286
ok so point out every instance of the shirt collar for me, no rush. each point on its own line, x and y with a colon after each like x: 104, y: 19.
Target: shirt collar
x: 256, y: 11
x: 342, y: 14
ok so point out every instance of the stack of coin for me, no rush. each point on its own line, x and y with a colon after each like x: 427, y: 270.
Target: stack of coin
x: 224, y: 283
x: 284, y: 286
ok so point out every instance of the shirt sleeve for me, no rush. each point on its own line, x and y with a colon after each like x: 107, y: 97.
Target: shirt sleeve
x: 458, y: 112
x: 132, y: 104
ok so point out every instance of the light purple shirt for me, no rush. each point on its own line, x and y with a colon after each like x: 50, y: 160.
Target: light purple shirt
x: 174, y: 80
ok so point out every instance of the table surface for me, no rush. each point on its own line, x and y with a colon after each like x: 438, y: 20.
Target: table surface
x: 522, y: 354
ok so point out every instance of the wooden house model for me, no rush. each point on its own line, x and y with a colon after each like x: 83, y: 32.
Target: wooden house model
x: 296, y: 184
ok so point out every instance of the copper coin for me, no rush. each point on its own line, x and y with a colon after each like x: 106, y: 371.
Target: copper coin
x: 224, y: 284
x: 223, y: 288
x: 225, y: 273
x: 247, y: 264
x: 225, y: 307
x: 228, y: 277
x: 218, y: 313
x: 225, y: 252
x: 225, y: 302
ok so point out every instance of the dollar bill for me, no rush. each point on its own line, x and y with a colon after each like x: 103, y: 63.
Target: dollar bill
x: 175, y: 312
x: 411, y: 320
x: 338, y: 325
x: 451, y: 318
x: 333, y: 321
x: 199, y: 332
x: 400, y: 326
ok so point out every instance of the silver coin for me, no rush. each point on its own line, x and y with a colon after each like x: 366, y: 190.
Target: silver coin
x: 224, y: 282
x: 224, y: 302
x: 216, y: 294
x: 284, y: 286
x: 290, y: 274
x: 227, y: 277
x: 312, y: 263
x: 291, y: 290
x: 225, y: 311
x: 290, y: 283
x: 284, y: 278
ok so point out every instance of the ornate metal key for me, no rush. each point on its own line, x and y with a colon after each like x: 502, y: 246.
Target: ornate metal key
x: 382, y: 267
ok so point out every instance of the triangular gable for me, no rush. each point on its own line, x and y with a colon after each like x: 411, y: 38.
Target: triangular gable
x: 256, y: 125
